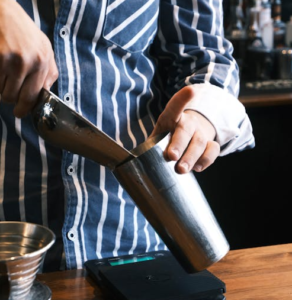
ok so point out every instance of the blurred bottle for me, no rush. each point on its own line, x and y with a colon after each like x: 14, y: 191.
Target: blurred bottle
x: 265, y: 13
x: 235, y: 28
x: 266, y: 24
x: 254, y: 34
x: 235, y: 31
x: 289, y: 33
x: 279, y: 26
x: 259, y: 60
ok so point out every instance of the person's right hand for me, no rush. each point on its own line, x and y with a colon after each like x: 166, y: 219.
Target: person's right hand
x: 27, y: 62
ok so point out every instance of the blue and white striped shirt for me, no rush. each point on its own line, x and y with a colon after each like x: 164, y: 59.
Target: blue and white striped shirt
x: 119, y: 63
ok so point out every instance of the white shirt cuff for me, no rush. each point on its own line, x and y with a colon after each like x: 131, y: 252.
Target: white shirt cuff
x: 222, y: 109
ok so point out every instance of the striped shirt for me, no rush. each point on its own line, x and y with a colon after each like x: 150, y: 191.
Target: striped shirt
x: 119, y: 63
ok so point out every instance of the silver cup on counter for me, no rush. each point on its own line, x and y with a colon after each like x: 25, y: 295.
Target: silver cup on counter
x: 173, y: 204
x: 22, y: 249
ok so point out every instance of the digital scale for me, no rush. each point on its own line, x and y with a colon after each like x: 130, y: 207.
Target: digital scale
x: 153, y: 276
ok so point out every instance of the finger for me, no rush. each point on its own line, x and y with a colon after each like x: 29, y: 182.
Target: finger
x: 181, y: 137
x: 14, y: 69
x: 28, y: 95
x: 192, y: 154
x: 3, y: 73
x: 209, y: 156
x: 32, y: 86
x: 52, y: 75
x: 173, y: 110
x: 2, y: 83
x: 11, y: 89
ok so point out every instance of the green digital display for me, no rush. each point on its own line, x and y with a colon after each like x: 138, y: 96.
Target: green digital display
x: 118, y: 262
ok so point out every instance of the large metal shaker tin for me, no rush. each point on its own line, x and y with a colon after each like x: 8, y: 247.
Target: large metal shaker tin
x: 175, y: 206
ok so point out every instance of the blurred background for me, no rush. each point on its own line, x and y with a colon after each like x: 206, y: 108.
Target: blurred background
x: 250, y: 191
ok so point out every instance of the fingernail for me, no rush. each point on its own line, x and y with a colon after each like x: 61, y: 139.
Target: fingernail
x: 198, y: 168
x: 184, y: 166
x: 175, y: 152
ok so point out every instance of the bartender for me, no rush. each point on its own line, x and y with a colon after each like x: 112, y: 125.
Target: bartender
x: 132, y: 68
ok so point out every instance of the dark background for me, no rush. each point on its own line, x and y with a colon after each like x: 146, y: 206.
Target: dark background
x: 286, y: 10
x: 250, y: 192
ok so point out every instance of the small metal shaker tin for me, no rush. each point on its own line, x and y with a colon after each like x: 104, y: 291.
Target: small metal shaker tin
x: 175, y: 207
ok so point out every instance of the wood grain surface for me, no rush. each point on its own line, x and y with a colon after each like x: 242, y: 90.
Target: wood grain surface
x: 263, y: 273
x: 266, y: 100
x: 257, y: 273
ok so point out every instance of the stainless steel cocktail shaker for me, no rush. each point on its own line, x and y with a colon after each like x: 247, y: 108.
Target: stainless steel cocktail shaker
x: 172, y: 203
x: 175, y: 206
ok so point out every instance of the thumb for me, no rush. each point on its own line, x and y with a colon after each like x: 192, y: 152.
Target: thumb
x: 173, y: 111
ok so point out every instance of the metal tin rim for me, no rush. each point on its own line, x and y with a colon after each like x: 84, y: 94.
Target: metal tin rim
x: 36, y: 252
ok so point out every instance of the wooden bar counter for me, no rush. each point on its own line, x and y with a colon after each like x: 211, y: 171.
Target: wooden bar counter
x: 251, y: 274
x: 266, y: 100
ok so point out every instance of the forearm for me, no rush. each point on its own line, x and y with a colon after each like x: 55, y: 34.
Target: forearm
x: 192, y: 51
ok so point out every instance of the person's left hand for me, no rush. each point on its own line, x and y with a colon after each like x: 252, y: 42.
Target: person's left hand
x: 192, y: 142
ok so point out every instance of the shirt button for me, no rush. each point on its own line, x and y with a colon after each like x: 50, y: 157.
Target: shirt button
x: 70, y: 170
x: 64, y: 31
x: 71, y: 235
x: 68, y: 98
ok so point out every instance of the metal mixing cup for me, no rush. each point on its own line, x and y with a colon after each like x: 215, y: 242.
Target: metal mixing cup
x: 174, y: 205
x: 22, y: 249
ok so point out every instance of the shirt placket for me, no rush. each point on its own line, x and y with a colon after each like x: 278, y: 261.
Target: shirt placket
x: 62, y: 36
